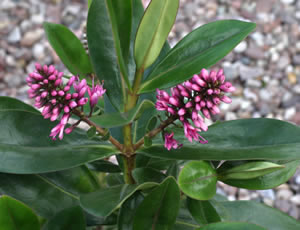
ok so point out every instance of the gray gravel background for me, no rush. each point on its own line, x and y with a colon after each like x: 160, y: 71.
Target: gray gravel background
x: 265, y: 67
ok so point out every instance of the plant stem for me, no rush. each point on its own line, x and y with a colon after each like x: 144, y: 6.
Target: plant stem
x: 129, y: 165
x: 98, y: 128
x: 154, y: 132
x: 128, y: 150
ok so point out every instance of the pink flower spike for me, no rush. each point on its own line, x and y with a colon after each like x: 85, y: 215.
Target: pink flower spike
x: 206, y: 113
x: 72, y: 104
x: 38, y: 66
x: 53, y: 101
x: 226, y: 99
x: 44, y: 94
x: 45, y: 69
x: 51, y: 69
x: 53, y: 93
x: 57, y: 82
x: 210, y: 91
x: 170, y: 142
x: 68, y: 96
x: 162, y: 95
x: 189, y: 105
x: 52, y: 78
x: 71, y: 81
x: 35, y: 86
x: 213, y: 76
x: 171, y: 110
x: 57, y: 130
x: 204, y: 74
x: 65, y: 118
x: 69, y: 130
x: 181, y: 112
x: 61, y: 93
x: 95, y: 93
x: 67, y: 88
x: 66, y: 109
x: 83, y: 101
x: 54, y: 117
x: 174, y: 101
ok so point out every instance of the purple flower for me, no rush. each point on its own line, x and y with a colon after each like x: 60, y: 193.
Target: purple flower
x: 170, y: 142
x: 194, y: 99
x: 95, y: 93
x: 46, y: 86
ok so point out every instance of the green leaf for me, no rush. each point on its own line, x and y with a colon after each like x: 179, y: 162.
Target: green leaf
x: 105, y: 50
x: 184, y: 220
x: 267, y: 181
x: 14, y: 215
x: 49, y: 193
x: 128, y: 211
x: 91, y: 133
x: 25, y: 147
x: 245, y: 139
x: 69, y: 49
x: 231, y: 226
x: 200, y: 49
x: 173, y: 170
x: 104, y: 166
x: 105, y: 201
x: 142, y: 175
x: 250, y: 170
x: 147, y: 141
x: 198, y: 180
x: 109, y: 120
x: 202, y: 211
x: 159, y: 209
x: 153, y: 31
x: 123, y: 14
x: 260, y: 214
x: 151, y: 124
x: 70, y: 218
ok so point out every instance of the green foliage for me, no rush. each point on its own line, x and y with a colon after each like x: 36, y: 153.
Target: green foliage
x: 75, y: 183
x: 198, y: 180
x: 15, y: 215
x: 69, y: 49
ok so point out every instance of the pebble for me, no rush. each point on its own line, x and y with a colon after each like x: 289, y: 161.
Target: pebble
x: 295, y: 199
x: 289, y: 113
x: 14, y: 36
x: 38, y: 51
x: 284, y: 194
x: 288, y: 2
x: 247, y: 72
x: 32, y: 37
x: 240, y: 48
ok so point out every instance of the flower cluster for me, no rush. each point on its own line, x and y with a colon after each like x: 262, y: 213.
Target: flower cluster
x: 46, y: 86
x: 202, y: 93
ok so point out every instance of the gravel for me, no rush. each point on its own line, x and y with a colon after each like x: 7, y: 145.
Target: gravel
x: 265, y: 68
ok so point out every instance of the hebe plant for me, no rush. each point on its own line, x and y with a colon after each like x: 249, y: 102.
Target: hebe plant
x: 147, y: 105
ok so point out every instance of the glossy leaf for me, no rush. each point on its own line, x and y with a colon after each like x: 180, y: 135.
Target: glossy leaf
x: 105, y: 50
x: 250, y: 170
x: 70, y: 218
x: 123, y: 13
x: 200, y: 49
x: 160, y: 208
x: 198, y: 180
x: 151, y: 124
x: 268, y: 181
x: 128, y: 211
x: 202, y: 211
x: 153, y: 31
x: 69, y: 49
x: 14, y: 215
x: 260, y: 214
x: 231, y: 226
x: 245, y: 139
x: 142, y: 175
x: 110, y: 120
x: 104, y: 166
x: 56, y: 191
x: 105, y: 201
x: 25, y: 147
x: 184, y: 220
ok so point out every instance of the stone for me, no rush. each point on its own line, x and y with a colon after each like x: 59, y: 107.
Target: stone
x: 287, y: 2
x: 231, y: 70
x: 295, y: 199
x: 296, y: 89
x: 283, y: 62
x: 292, y: 78
x: 269, y: 193
x: 253, y: 83
x: 258, y: 37
x: 265, y: 95
x: 240, y: 48
x: 13, y: 80
x: 250, y: 95
x: 255, y: 52
x: 296, y: 59
x: 230, y: 116
x: 289, y: 113
x: 37, y: 19
x: 284, y: 194
x: 32, y: 37
x: 10, y: 60
x: 38, y: 51
x: 294, y: 212
x: 14, y: 36
x: 283, y: 205
x: 247, y: 72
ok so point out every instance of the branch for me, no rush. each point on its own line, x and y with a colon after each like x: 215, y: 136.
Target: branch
x: 98, y: 128
x: 154, y: 132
